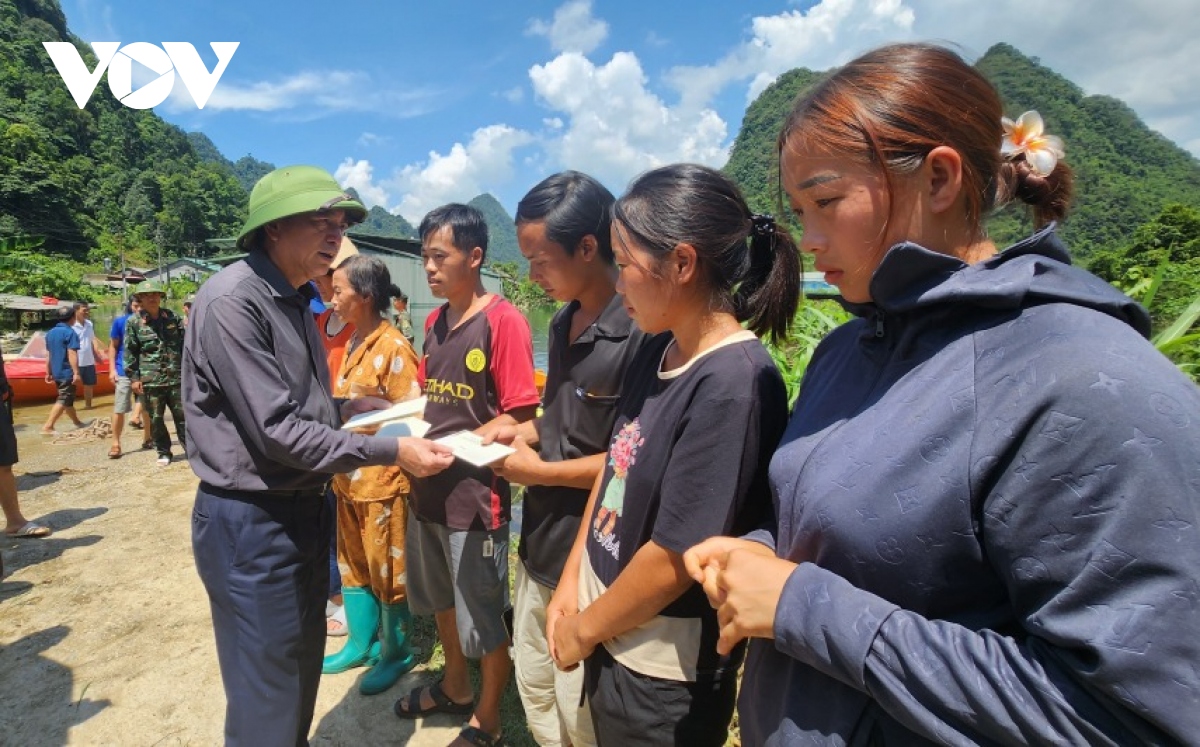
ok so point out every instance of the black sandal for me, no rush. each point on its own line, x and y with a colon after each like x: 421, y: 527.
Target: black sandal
x: 441, y: 703
x: 480, y: 738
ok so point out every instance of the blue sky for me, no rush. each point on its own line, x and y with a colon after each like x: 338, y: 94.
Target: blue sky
x: 418, y: 104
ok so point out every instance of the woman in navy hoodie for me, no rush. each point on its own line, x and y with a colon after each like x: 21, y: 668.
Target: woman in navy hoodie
x: 986, y: 499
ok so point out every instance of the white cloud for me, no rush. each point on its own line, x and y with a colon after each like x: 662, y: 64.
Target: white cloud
x: 573, y: 28
x: 610, y: 119
x: 514, y: 95
x: 314, y: 94
x: 1142, y: 53
x: 483, y: 164
x: 357, y: 174
x: 654, y: 40
x: 93, y: 21
x: 1145, y: 54
x: 370, y: 140
x: 819, y: 38
x: 615, y: 126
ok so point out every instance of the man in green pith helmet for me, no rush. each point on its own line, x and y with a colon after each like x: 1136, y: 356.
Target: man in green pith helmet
x: 153, y: 358
x: 265, y: 440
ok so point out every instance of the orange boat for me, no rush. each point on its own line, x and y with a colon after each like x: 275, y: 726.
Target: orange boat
x: 27, y: 374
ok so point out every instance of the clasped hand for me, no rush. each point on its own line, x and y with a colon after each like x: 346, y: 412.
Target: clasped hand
x: 567, y: 646
x: 743, y: 581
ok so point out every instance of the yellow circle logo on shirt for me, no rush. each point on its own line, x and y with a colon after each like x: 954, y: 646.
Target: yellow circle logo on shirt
x: 476, y: 360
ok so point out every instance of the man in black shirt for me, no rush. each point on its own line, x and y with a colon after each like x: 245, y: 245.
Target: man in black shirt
x: 563, y: 230
x: 264, y: 441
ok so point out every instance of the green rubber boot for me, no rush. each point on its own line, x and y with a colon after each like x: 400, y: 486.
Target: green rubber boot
x: 362, y: 618
x: 396, y: 657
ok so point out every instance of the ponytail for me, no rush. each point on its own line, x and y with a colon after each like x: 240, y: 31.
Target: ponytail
x: 1048, y: 195
x: 750, y: 265
x: 769, y: 292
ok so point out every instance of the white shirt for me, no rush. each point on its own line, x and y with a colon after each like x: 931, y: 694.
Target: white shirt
x: 87, y: 333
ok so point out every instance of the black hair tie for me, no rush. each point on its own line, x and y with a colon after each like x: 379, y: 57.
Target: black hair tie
x: 762, y: 224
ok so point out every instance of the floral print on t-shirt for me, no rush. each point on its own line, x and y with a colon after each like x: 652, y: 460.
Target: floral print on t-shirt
x: 622, y: 455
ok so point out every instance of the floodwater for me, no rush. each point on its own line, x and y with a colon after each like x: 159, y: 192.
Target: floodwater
x: 28, y: 419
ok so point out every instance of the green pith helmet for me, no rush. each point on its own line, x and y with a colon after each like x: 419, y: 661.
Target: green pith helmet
x: 293, y: 190
x: 149, y: 286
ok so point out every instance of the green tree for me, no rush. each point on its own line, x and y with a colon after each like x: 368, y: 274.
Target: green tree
x: 1168, y: 246
x: 518, y: 288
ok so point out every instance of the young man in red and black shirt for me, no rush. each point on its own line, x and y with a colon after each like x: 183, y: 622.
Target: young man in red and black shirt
x: 477, y: 371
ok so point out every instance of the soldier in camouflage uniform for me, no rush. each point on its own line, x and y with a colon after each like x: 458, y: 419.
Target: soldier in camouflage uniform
x: 153, y: 359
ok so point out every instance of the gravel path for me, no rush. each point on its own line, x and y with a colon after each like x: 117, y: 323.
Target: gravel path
x: 106, y: 637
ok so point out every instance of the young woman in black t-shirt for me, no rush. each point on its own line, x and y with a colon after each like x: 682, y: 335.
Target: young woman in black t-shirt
x: 702, y: 409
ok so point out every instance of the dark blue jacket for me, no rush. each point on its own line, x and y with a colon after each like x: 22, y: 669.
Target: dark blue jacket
x: 990, y: 482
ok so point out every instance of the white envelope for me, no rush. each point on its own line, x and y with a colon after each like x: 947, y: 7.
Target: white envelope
x: 414, y: 427
x: 406, y: 409
x: 469, y: 447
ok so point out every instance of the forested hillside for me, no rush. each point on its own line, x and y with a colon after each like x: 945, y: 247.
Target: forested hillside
x: 502, y: 234
x: 1126, y: 174
x: 95, y: 180
x: 247, y: 169
x: 382, y: 223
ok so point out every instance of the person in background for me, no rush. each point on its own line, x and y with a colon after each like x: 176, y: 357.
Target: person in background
x: 153, y: 363
x: 986, y: 498
x: 15, y: 523
x: 701, y: 411
x: 265, y: 440
x: 89, y: 350
x: 563, y: 231
x: 135, y: 419
x: 187, y: 311
x: 372, y: 508
x: 335, y: 335
x: 123, y: 399
x: 477, y: 372
x: 62, y: 369
x: 400, y: 316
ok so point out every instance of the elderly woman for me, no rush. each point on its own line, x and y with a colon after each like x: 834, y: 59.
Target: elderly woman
x: 371, y: 514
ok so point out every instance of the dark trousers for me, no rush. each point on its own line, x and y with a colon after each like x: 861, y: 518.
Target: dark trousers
x: 158, y: 400
x: 631, y: 708
x: 335, y: 573
x: 264, y: 560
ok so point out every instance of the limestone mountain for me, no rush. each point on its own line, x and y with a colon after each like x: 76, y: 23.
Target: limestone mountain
x: 1125, y: 173
x: 502, y: 233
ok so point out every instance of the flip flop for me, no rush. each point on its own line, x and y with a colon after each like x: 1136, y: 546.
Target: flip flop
x: 441, y: 703
x: 29, y: 531
x: 335, y: 624
x: 114, y: 452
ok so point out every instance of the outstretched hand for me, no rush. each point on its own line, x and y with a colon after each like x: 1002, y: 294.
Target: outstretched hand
x: 420, y: 457
x: 501, y: 433
x: 522, y: 466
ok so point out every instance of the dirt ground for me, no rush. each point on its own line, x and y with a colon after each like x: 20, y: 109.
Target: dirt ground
x: 105, y: 634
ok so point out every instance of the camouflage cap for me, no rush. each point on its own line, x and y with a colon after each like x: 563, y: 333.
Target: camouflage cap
x: 149, y: 286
